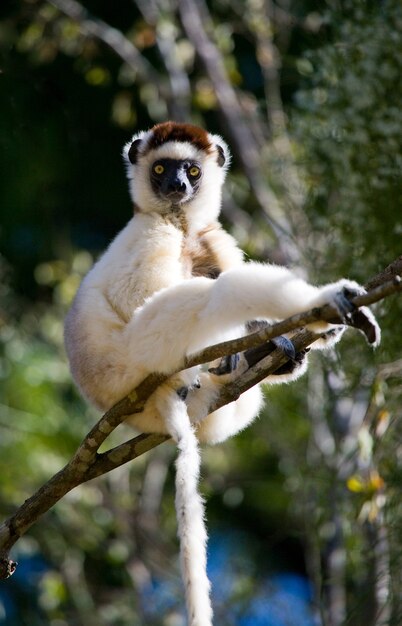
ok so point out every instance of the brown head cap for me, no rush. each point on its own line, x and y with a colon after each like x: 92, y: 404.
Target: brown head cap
x: 174, y: 131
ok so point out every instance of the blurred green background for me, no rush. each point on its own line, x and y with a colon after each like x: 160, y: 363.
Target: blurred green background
x: 303, y: 508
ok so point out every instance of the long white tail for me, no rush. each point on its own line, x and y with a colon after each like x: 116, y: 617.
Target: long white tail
x: 190, y: 515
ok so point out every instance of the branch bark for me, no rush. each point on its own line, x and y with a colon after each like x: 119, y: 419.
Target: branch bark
x: 87, y: 463
x: 179, y: 101
x: 196, y: 18
x: 115, y: 39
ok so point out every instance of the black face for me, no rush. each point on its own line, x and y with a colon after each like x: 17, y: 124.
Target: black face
x: 175, y: 180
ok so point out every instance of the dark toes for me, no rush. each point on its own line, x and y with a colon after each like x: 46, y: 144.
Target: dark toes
x: 227, y: 365
x: 343, y: 302
x: 254, y: 355
x: 284, y: 344
x: 352, y: 292
x: 343, y: 305
x: 293, y: 364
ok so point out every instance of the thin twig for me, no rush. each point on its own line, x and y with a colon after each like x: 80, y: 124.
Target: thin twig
x: 195, y: 18
x: 115, y: 39
x: 166, y: 41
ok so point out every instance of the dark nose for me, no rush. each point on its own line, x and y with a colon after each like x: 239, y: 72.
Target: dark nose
x: 176, y: 185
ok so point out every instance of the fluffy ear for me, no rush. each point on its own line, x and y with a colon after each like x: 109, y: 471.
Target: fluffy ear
x: 132, y: 152
x: 223, y: 157
x: 132, y: 149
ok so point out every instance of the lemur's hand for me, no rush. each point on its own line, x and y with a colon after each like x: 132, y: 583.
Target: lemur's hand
x: 361, y: 318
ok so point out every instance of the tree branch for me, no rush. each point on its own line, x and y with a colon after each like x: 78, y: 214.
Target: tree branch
x: 166, y: 42
x: 115, y: 39
x: 196, y: 18
x: 392, y: 270
x: 87, y: 463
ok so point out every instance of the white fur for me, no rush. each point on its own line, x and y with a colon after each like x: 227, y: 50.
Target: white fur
x: 190, y: 510
x: 209, y: 194
x: 138, y: 311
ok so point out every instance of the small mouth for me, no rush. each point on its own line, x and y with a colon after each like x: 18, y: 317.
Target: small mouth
x: 176, y: 197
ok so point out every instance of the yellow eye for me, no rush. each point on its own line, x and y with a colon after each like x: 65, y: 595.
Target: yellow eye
x: 159, y: 169
x: 194, y: 171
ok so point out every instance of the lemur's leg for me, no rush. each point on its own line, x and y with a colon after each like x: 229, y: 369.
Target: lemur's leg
x: 184, y: 318
x: 295, y: 366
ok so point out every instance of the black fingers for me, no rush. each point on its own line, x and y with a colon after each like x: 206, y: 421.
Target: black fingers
x: 343, y: 304
x: 254, y: 355
x: 295, y: 359
x: 361, y: 318
x: 227, y: 365
x: 293, y: 364
x: 284, y: 344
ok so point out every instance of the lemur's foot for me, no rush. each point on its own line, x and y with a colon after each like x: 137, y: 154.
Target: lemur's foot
x: 293, y: 364
x: 254, y: 355
x: 286, y: 345
x: 227, y: 365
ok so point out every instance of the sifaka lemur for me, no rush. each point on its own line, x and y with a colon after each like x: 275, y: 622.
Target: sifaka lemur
x: 171, y: 283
